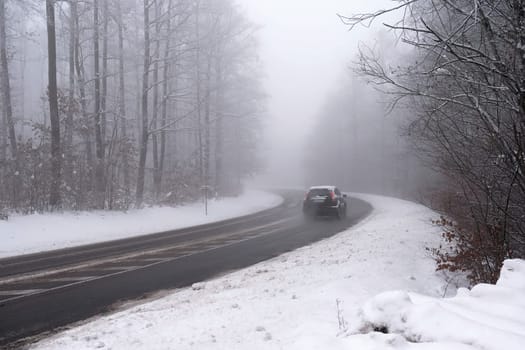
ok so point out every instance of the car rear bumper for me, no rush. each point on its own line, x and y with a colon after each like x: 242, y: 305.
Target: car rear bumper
x: 320, y: 209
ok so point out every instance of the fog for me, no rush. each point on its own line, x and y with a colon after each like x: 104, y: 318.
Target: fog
x: 307, y: 54
x: 187, y: 99
x: 119, y: 104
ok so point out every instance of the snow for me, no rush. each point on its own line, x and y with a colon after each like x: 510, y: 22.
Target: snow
x: 486, y: 317
x: 24, y: 234
x: 325, y: 296
x: 322, y: 187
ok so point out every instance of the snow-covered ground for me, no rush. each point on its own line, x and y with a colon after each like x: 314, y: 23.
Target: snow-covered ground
x: 23, y: 234
x: 489, y: 317
x: 322, y: 297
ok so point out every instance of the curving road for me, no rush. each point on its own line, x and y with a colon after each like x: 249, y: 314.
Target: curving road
x: 44, y: 291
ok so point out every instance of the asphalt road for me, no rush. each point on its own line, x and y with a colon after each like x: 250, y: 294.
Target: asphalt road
x: 40, y: 293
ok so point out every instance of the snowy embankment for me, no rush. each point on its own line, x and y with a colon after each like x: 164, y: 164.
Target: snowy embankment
x: 485, y: 317
x: 24, y: 234
x: 318, y: 297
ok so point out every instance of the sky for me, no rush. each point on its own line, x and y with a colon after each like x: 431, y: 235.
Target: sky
x: 305, y: 50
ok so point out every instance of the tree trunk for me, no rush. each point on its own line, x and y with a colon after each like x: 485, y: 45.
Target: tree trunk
x: 4, y: 137
x: 198, y: 92
x: 99, y: 142
x: 219, y: 129
x: 207, y: 143
x: 154, y: 137
x: 54, y: 196
x: 122, y: 102
x: 5, y: 85
x: 86, y: 130
x: 68, y: 147
x: 145, y: 86
x: 104, y: 93
x: 164, y: 111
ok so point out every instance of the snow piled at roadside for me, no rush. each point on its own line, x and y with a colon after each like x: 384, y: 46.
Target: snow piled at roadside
x: 322, y: 297
x: 24, y: 234
x: 488, y: 317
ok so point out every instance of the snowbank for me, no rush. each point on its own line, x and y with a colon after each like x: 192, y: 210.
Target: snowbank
x: 39, y: 232
x: 305, y: 299
x: 489, y: 317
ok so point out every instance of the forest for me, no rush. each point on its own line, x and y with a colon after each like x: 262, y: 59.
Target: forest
x: 460, y: 85
x: 150, y: 101
x: 114, y: 104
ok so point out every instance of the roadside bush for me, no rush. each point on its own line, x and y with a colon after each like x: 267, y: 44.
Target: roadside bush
x: 472, y: 244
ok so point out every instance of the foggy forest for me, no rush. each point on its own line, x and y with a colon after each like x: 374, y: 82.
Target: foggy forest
x: 153, y: 101
x: 461, y: 86
x: 114, y: 104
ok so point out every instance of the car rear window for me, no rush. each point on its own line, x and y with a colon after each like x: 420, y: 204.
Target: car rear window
x: 318, y: 192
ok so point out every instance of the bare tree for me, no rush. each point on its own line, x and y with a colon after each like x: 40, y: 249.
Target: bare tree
x: 68, y: 131
x: 155, y: 101
x: 164, y: 102
x: 173, y: 89
x: 466, y: 84
x: 54, y: 195
x: 122, y: 101
x: 86, y: 118
x: 99, y: 141
x: 139, y: 196
x: 7, y: 110
x: 104, y: 78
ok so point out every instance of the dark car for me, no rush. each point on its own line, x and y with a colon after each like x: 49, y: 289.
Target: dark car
x: 324, y: 201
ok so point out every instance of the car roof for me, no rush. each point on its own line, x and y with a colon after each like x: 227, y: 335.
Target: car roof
x: 327, y: 187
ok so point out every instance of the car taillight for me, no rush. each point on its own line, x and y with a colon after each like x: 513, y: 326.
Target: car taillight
x: 332, y: 195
